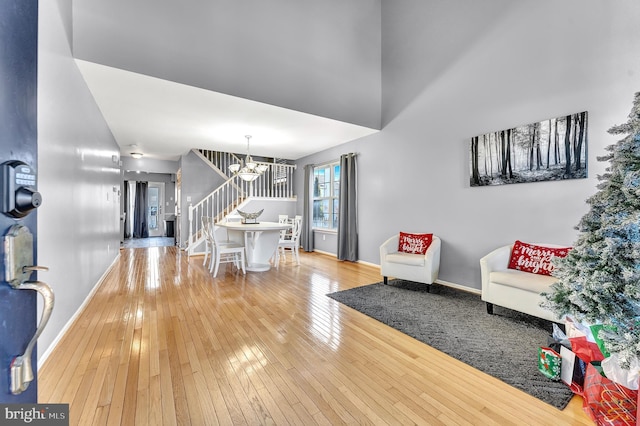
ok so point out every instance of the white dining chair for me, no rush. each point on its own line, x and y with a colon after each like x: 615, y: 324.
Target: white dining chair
x: 283, y: 218
x: 225, y: 252
x: 291, y: 242
x: 208, y: 240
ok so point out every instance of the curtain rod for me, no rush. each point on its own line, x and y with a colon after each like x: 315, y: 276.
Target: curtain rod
x: 337, y: 160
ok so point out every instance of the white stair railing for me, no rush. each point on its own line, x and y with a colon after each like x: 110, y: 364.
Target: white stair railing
x: 219, y: 203
x: 222, y: 160
x: 275, y: 182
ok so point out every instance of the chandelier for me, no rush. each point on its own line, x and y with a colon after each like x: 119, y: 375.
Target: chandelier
x: 250, y: 170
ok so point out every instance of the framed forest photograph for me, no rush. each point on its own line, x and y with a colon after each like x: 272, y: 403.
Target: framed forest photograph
x: 553, y: 149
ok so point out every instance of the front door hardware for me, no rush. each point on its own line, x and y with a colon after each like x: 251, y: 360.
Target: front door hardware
x: 18, y: 186
x: 18, y: 265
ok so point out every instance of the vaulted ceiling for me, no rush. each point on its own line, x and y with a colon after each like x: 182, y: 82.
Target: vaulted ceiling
x: 169, y: 76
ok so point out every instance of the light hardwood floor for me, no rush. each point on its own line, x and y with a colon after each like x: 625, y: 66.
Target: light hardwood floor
x: 162, y: 342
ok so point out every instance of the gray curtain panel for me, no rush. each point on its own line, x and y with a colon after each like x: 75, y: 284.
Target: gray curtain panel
x: 125, y: 187
x: 140, y: 225
x: 348, y: 217
x: 306, y: 237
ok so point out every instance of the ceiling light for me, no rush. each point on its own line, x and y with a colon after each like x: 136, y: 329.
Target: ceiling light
x: 250, y: 170
x: 136, y: 155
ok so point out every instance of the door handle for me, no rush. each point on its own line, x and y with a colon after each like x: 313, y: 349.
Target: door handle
x: 21, y: 368
x: 18, y: 266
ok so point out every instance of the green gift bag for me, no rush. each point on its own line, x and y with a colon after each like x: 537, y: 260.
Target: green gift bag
x: 595, y: 329
x: 549, y: 362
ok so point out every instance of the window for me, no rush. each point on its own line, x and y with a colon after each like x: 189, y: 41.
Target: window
x: 326, y: 192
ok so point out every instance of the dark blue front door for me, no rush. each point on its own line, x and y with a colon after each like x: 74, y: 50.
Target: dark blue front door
x: 18, y: 141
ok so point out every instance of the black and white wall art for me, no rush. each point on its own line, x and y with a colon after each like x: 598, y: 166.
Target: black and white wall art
x: 553, y: 149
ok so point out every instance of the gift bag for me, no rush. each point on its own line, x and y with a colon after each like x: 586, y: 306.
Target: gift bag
x: 606, y: 402
x: 627, y: 377
x: 586, y: 350
x: 595, y: 330
x: 549, y: 363
x: 572, y: 370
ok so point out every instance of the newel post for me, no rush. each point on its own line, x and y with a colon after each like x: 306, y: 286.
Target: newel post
x: 190, y: 227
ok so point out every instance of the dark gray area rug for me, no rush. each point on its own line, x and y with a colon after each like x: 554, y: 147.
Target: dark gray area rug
x: 504, y: 345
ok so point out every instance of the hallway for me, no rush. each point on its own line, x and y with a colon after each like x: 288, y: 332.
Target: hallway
x: 148, y: 242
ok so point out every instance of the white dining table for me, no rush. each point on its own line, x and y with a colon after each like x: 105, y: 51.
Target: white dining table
x: 260, y: 241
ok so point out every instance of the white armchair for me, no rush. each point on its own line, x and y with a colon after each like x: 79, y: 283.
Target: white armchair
x: 514, y: 289
x: 422, y: 268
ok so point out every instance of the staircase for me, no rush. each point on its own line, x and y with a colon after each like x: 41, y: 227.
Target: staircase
x: 276, y: 182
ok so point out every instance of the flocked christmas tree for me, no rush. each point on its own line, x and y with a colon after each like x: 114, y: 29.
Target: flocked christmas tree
x: 599, y: 280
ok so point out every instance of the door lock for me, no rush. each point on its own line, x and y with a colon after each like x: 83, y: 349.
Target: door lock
x: 18, y: 184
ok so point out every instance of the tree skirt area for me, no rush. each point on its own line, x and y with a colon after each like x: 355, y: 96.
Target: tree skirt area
x: 504, y: 345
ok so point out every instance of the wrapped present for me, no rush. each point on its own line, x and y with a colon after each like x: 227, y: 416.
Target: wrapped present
x: 549, y: 362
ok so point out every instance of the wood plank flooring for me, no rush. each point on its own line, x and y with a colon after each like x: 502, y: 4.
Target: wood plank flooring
x: 163, y: 343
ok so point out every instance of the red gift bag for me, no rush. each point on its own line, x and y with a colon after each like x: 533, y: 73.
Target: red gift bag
x: 608, y: 403
x: 587, y: 351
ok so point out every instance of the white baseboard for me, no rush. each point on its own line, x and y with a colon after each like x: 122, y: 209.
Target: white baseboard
x: 43, y: 357
x: 324, y: 252
x: 375, y: 265
x: 459, y: 287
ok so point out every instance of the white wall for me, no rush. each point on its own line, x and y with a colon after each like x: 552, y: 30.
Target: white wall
x: 149, y: 165
x: 78, y: 221
x: 457, y: 69
x: 272, y: 208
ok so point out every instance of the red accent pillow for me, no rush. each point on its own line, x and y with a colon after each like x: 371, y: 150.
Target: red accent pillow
x: 414, y: 243
x: 535, y: 259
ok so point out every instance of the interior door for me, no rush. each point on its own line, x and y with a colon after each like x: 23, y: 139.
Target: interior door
x: 18, y: 142
x: 155, y: 212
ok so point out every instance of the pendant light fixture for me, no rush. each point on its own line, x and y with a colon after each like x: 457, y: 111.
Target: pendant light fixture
x: 250, y: 170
